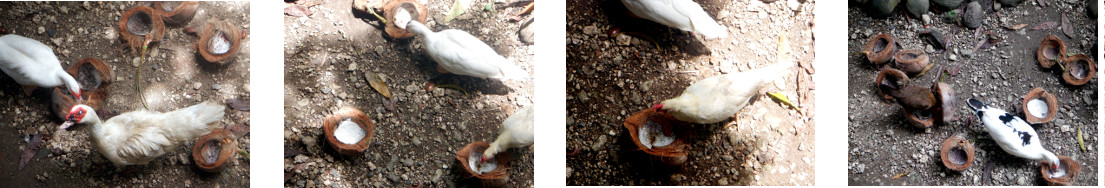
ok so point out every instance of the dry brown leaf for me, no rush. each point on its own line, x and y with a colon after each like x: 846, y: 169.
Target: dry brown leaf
x: 1045, y: 25
x: 238, y: 104
x: 1016, y: 27
x: 900, y: 175
x: 1067, y: 28
x: 30, y: 151
x: 297, y: 10
x: 377, y: 83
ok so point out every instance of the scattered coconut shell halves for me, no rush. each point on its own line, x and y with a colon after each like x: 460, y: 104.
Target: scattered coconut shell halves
x: 219, y: 41
x: 913, y: 62
x: 919, y: 118
x: 94, y: 76
x: 1079, y: 69
x: 673, y: 154
x: 332, y: 122
x: 494, y: 178
x: 176, y: 12
x: 139, y: 24
x: 893, y: 77
x: 212, y: 151
x: 881, y: 49
x: 1032, y: 112
x: 945, y: 98
x: 1052, y: 50
x: 1069, y: 169
x: 412, y: 6
x: 957, y: 153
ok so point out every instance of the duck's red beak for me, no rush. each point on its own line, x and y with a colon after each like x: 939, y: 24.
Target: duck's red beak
x: 658, y: 106
x: 483, y: 159
x: 77, y: 94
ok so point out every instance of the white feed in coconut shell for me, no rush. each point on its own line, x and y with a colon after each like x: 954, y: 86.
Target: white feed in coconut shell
x: 486, y: 167
x: 1062, y: 171
x: 220, y: 44
x: 1038, y: 108
x: 348, y: 132
x: 652, y: 135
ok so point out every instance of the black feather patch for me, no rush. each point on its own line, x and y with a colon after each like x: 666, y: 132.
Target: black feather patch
x: 1006, y: 118
x: 1025, y: 138
x: 979, y: 114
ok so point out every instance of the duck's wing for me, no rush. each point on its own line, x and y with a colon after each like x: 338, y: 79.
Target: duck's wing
x: 1011, y: 132
x: 466, y: 55
x: 28, y: 61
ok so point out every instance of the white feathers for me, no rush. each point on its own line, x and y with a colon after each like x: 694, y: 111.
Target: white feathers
x: 348, y: 132
x: 683, y: 14
x: 719, y: 97
x: 32, y: 63
x: 461, y: 53
x: 140, y: 136
x: 516, y: 131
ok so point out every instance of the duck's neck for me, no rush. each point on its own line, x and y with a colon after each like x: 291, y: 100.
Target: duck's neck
x: 69, y: 81
x: 418, y: 29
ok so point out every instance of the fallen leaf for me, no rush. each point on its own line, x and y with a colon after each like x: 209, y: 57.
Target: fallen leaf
x: 389, y: 103
x: 1016, y: 27
x: 239, y: 130
x: 297, y: 10
x: 779, y: 97
x: 1067, y: 28
x: 900, y: 175
x: 377, y: 83
x: 1045, y: 25
x: 459, y: 8
x: 30, y: 151
x: 238, y: 104
x: 1080, y: 143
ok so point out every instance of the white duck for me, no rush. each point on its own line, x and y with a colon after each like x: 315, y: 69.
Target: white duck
x: 461, y: 53
x: 135, y: 138
x: 1012, y: 133
x: 517, y: 131
x: 33, y: 64
x: 683, y: 14
x: 719, y: 97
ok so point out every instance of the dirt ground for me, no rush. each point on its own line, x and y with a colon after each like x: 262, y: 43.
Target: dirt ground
x: 611, y: 78
x: 327, y: 55
x: 882, y: 144
x: 172, y: 78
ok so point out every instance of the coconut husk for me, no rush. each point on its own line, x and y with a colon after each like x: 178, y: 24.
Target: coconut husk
x: 94, y: 76
x: 891, y: 76
x: 673, y: 154
x: 945, y: 95
x: 389, y: 13
x: 919, y: 119
x: 1080, y: 62
x: 881, y: 49
x: 913, y: 62
x: 213, y: 28
x: 1052, y: 105
x: 1054, y: 44
x: 227, y: 147
x: 497, y: 177
x: 136, y: 40
x: 178, y: 13
x: 331, y: 122
x: 957, y: 143
x: 1073, y: 168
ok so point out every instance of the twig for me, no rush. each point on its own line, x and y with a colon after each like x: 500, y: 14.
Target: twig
x: 138, y: 76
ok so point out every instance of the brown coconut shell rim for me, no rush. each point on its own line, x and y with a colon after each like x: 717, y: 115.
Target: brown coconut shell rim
x: 181, y: 13
x: 329, y: 123
x: 916, y: 66
x: 228, y: 149
x: 886, y: 53
x: 157, y: 28
x: 676, y: 149
x: 948, y: 114
x: 1050, y: 42
x: 963, y: 144
x: 500, y: 172
x: 1073, y: 168
x: 892, y: 73
x: 1089, y: 66
x: 918, y: 121
x: 1052, y: 105
x: 389, y: 13
x: 210, y: 30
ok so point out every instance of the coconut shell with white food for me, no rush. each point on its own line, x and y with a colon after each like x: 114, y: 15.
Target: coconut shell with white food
x: 348, y: 131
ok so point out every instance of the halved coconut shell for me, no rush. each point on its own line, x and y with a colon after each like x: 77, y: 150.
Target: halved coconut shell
x: 176, y: 12
x: 219, y: 41
x: 212, y: 151
x: 945, y: 95
x: 412, y: 6
x: 1051, y: 50
x: 881, y: 49
x: 919, y: 118
x: 1079, y: 69
x: 913, y: 62
x: 94, y: 76
x: 139, y: 24
x: 1052, y: 106
x: 893, y: 77
x: 331, y: 122
x: 957, y: 153
x: 674, y: 154
x: 1072, y: 169
x: 494, y: 178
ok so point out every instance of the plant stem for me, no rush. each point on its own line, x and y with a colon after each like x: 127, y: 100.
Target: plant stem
x: 138, y: 76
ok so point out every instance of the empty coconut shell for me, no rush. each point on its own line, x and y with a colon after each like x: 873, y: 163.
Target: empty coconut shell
x: 212, y: 151
x: 673, y: 154
x: 957, y: 153
x: 176, y: 12
x: 1052, y: 50
x: 913, y: 62
x: 945, y: 96
x: 331, y: 122
x: 919, y: 118
x: 1070, y: 167
x: 412, y: 6
x: 139, y: 24
x: 1048, y: 98
x: 881, y: 49
x: 494, y: 178
x: 890, y: 76
x: 219, y: 41
x: 1079, y: 69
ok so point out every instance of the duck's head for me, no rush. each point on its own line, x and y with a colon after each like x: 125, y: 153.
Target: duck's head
x: 79, y: 114
x: 658, y: 107
x: 1051, y: 161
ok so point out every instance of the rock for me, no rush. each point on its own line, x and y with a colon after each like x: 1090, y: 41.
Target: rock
x: 623, y: 40
x: 946, y: 4
x: 934, y: 38
x: 881, y: 8
x: 917, y: 8
x: 197, y: 85
x: 926, y: 19
x: 972, y: 15
x: 1010, y: 3
x: 591, y: 30
x: 41, y: 29
x: 794, y: 5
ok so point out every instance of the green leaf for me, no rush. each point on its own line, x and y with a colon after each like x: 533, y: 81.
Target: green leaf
x: 459, y: 8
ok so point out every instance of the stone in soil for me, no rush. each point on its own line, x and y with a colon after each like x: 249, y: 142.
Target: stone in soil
x: 881, y: 8
x: 947, y: 4
x: 972, y: 15
x: 917, y: 8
